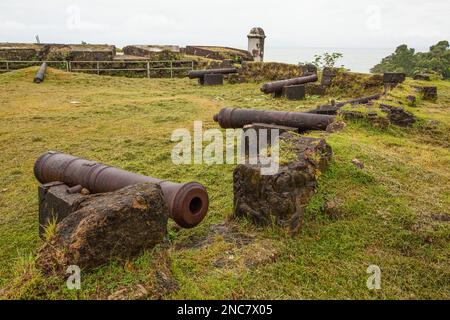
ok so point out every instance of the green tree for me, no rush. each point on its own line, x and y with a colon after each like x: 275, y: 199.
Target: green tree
x: 404, y: 59
x: 437, y: 60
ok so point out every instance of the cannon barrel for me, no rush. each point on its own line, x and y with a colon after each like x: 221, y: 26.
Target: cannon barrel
x: 277, y: 86
x: 360, y: 100
x: 238, y: 118
x: 201, y: 73
x: 41, y: 73
x: 334, y: 108
x: 187, y: 202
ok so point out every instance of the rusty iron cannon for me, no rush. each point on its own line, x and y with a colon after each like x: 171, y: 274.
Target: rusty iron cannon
x: 40, y: 75
x: 238, y: 118
x: 277, y: 87
x: 211, y: 76
x: 332, y: 109
x: 187, y: 202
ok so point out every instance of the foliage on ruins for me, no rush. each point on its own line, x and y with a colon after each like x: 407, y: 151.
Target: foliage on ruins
x: 326, y: 60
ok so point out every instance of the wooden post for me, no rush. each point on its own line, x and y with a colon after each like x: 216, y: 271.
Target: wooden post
x: 171, y: 69
x: 7, y: 66
x: 148, y: 69
x: 98, y: 68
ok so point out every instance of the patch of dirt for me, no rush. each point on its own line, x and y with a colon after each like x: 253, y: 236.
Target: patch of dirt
x: 225, y: 261
x: 158, y: 283
x: 135, y: 293
x: 227, y: 230
x: 337, y: 126
x: 332, y: 209
x: 252, y: 256
x: 259, y: 254
x: 441, y: 217
x: 358, y: 163
x: 166, y: 282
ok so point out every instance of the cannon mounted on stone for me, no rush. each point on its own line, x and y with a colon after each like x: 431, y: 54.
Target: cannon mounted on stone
x: 293, y: 89
x: 211, y: 76
x: 187, y: 202
x: 239, y: 118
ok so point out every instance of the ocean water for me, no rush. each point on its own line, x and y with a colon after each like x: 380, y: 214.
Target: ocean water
x: 355, y: 59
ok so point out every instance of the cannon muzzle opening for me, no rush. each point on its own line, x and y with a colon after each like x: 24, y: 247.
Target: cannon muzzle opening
x: 189, y: 205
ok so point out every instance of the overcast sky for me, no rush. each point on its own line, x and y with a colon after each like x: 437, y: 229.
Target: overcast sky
x: 312, y: 23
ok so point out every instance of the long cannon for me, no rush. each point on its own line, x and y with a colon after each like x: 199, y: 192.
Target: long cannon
x: 360, y: 100
x: 40, y: 75
x: 277, y: 86
x: 187, y: 202
x: 201, y: 73
x: 334, y: 108
x: 238, y: 118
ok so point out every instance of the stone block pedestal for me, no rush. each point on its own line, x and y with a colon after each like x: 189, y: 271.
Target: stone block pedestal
x: 296, y: 92
x: 281, y: 198
x: 211, y: 80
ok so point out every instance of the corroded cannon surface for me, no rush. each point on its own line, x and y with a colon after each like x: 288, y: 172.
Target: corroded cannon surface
x: 238, y: 118
x: 40, y: 75
x: 187, y: 202
x: 332, y: 109
x: 277, y: 86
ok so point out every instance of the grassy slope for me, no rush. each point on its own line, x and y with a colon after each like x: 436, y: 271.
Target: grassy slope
x: 387, y: 212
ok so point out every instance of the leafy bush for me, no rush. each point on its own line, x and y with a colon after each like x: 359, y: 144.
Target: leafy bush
x: 327, y: 60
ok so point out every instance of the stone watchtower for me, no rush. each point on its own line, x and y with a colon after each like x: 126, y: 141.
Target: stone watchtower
x: 256, y: 43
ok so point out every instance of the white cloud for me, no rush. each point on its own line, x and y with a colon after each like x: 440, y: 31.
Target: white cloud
x: 74, y: 21
x: 291, y: 23
x: 147, y: 22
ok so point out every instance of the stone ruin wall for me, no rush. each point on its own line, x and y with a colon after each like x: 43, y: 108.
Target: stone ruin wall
x: 265, y: 71
x: 333, y: 82
x: 56, y: 52
x: 219, y: 53
x: 153, y: 53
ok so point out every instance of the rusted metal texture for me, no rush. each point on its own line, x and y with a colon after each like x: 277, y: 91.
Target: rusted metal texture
x: 332, y: 109
x: 360, y: 100
x: 40, y: 75
x: 238, y: 118
x: 201, y: 73
x: 187, y: 202
x: 277, y: 86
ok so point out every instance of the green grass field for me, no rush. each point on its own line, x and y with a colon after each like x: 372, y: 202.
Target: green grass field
x: 394, y: 213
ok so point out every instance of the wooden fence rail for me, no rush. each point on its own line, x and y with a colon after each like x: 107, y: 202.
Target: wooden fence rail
x: 99, y: 67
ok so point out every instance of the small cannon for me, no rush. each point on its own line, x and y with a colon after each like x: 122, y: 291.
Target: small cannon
x: 187, y: 202
x: 332, y: 109
x: 238, y: 118
x: 293, y: 89
x: 40, y: 75
x: 211, y: 76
